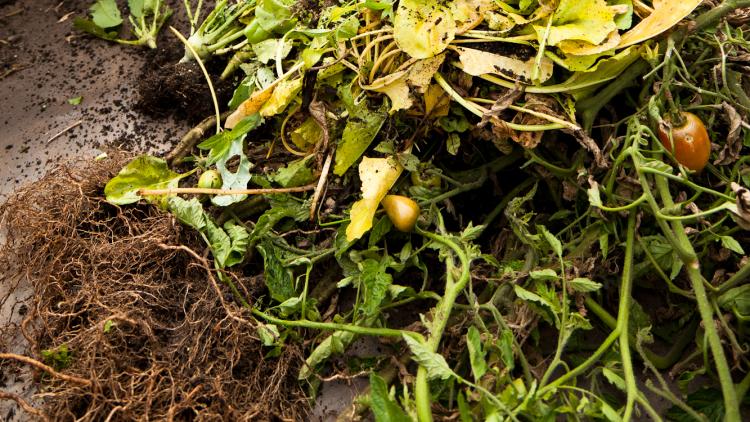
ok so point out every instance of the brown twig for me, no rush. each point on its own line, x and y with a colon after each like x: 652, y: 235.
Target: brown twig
x: 201, y: 191
x: 24, y: 404
x: 319, y: 187
x: 39, y: 365
x: 62, y: 132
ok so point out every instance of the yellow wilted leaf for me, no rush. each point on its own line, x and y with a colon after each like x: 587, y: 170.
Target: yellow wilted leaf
x: 469, y: 13
x: 477, y: 62
x: 281, y: 97
x: 377, y: 176
x: 666, y: 14
x: 436, y: 101
x: 423, y: 28
x: 583, y: 48
x: 396, y: 85
x: 249, y: 106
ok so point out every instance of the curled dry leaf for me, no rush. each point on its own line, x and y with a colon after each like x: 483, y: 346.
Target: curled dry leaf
x: 249, y: 107
x: 377, y: 176
x: 731, y: 150
x: 741, y: 208
x: 666, y: 14
x: 477, y: 62
x: 397, y: 86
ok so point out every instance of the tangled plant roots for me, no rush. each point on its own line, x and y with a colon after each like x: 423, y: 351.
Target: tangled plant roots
x: 141, y: 320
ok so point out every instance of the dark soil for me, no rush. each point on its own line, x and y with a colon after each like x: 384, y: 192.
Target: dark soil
x: 167, y: 86
x: 128, y: 292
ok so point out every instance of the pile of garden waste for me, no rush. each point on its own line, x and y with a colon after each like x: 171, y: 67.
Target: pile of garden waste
x: 531, y: 210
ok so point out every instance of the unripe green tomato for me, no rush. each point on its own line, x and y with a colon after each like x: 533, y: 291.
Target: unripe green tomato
x: 210, y: 179
x: 402, y: 211
x: 429, y: 181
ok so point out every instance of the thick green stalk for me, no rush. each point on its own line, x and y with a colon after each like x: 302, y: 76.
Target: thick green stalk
x: 623, y: 316
x: 440, y: 319
x: 692, y: 266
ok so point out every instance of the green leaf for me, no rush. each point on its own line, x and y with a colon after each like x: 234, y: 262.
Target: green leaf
x: 296, y: 173
x: 88, y: 26
x: 361, y: 128
x: 144, y: 172
x: 105, y: 14
x: 476, y: 353
x: 278, y: 278
x: 707, y: 401
x: 108, y: 324
x: 584, y: 285
x: 505, y: 344
x: 229, y: 244
x: 223, y: 147
x: 545, y: 274
x: 274, y: 15
x: 374, y: 282
x: 282, y: 206
x: 737, y: 300
x: 139, y: 8
x: 437, y: 367
x: 623, y: 20
x: 454, y: 142
x: 75, y: 100
x: 188, y: 212
x: 58, y: 358
x: 553, y: 241
x: 383, y: 407
x: 266, y: 50
x: 732, y: 244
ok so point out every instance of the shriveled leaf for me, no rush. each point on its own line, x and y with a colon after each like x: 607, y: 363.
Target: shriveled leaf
x: 584, y: 285
x: 476, y: 353
x: 377, y: 176
x: 477, y: 62
x: 437, y: 367
x: 144, y: 172
x: 105, y: 14
x: 250, y: 106
x: 666, y: 14
x: 278, y: 278
x: 423, y: 28
x: 398, y: 86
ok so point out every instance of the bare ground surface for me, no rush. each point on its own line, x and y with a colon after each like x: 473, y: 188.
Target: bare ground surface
x: 44, y: 62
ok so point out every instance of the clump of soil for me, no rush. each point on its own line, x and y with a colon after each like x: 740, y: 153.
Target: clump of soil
x: 140, y: 313
x: 167, y: 86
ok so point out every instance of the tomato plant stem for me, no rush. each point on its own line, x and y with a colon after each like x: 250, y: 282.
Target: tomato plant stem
x: 441, y: 314
x: 623, y: 317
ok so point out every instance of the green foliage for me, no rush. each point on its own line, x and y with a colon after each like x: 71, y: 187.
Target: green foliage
x: 59, y: 358
x: 146, y: 19
x: 383, y: 406
x: 144, y: 172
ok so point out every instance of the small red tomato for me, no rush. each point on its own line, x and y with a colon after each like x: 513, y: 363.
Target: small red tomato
x: 692, y: 146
